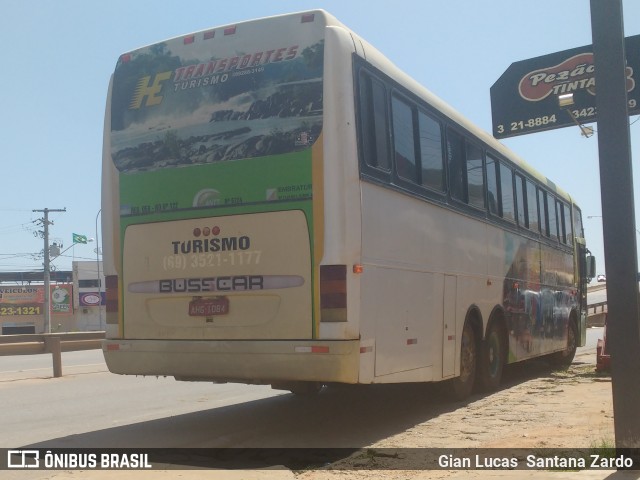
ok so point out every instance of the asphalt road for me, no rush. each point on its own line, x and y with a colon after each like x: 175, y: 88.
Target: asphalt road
x: 89, y: 406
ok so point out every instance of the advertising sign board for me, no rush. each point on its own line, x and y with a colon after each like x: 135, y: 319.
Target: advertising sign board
x: 29, y: 300
x: 525, y: 98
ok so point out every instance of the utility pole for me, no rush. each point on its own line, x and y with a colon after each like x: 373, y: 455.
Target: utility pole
x: 618, y: 218
x: 47, y: 268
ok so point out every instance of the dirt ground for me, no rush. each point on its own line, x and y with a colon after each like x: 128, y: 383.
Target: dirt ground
x: 560, y: 409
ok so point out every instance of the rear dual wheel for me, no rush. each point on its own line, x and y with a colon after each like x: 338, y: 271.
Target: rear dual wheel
x: 486, y: 365
x: 462, y: 386
x: 492, y: 358
x: 564, y: 358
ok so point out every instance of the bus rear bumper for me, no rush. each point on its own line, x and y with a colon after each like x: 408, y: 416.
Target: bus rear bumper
x: 253, y: 362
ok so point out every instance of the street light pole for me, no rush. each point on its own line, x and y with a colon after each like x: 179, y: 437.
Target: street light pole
x: 47, y: 266
x: 98, y: 266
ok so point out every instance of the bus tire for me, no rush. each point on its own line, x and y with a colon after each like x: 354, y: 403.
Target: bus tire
x: 462, y: 386
x: 493, y: 357
x: 564, y: 358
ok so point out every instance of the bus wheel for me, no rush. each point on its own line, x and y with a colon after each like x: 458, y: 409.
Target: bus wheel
x: 564, y: 358
x: 461, y: 387
x: 492, y: 358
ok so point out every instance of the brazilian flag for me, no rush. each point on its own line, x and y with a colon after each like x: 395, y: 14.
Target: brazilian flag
x: 79, y: 238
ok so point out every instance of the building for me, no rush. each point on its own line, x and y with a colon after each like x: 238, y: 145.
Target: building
x: 77, y: 300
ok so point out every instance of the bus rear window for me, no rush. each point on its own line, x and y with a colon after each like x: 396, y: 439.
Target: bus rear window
x: 176, y: 103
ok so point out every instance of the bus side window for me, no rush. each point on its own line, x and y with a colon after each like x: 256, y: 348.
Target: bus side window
x: 553, y: 218
x: 492, y: 186
x: 456, y: 166
x: 520, y: 207
x: 431, y: 152
x: 542, y: 207
x: 475, y: 176
x: 373, y: 111
x: 506, y: 193
x: 403, y: 140
x: 532, y: 207
x: 567, y: 224
x: 562, y: 231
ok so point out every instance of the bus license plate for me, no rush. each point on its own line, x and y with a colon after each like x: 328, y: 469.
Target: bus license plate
x: 208, y: 307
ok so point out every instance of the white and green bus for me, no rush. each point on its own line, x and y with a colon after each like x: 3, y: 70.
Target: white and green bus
x: 282, y: 205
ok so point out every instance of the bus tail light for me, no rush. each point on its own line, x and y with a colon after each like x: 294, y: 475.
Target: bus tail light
x: 333, y: 293
x: 313, y: 349
x: 111, y: 293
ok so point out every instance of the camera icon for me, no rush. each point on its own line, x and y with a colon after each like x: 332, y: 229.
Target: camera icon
x: 23, y: 458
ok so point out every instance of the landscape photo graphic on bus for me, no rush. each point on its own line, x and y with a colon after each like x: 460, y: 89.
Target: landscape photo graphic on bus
x: 209, y: 100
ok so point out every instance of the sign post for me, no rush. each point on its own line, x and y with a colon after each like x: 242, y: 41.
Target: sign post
x: 559, y: 90
x: 618, y: 218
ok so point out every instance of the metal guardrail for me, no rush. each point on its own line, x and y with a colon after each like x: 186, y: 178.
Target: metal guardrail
x: 56, y: 343
x: 53, y: 343
x: 602, y: 306
x: 596, y: 314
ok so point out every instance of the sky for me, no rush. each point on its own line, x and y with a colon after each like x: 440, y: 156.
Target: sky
x: 59, y: 56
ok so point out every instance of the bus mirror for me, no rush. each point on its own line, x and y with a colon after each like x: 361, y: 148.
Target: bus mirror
x: 591, y: 267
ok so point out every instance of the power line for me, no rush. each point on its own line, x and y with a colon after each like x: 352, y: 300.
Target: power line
x: 7, y: 229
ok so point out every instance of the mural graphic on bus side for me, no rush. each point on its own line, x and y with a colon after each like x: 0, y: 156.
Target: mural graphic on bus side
x: 538, y: 296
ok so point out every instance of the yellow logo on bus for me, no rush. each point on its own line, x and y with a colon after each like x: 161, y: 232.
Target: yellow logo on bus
x: 144, y: 89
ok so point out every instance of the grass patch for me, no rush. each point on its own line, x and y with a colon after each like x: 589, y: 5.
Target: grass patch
x: 604, y: 447
x: 579, y: 372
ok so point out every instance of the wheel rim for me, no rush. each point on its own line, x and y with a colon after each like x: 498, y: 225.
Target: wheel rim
x: 494, y: 354
x: 467, y: 355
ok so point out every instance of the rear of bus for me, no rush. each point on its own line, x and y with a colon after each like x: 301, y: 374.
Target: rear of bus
x: 212, y: 209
